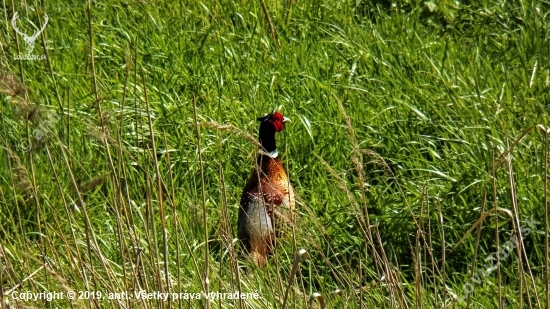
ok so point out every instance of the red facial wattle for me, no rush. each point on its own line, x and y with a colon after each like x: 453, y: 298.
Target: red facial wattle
x: 278, y: 121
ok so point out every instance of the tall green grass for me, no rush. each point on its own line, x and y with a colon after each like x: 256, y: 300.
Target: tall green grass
x: 418, y: 148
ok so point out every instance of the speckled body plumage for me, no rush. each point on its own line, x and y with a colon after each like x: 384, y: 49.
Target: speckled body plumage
x: 267, y: 201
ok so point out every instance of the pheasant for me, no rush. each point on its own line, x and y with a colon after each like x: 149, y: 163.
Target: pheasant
x: 267, y: 200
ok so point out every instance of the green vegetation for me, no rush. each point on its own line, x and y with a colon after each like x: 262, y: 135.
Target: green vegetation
x: 417, y: 149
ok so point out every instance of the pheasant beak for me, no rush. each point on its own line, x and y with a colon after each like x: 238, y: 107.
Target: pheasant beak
x: 285, y: 120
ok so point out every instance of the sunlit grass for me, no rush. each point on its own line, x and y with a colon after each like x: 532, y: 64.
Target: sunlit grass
x: 402, y: 114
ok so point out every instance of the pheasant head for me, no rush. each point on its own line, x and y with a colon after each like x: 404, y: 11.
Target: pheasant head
x: 271, y: 124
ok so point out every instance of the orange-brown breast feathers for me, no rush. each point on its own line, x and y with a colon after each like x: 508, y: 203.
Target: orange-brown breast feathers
x: 267, y: 199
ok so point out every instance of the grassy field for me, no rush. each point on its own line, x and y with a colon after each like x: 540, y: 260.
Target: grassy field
x: 418, y: 151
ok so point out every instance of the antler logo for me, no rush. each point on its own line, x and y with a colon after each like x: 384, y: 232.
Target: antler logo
x: 29, y: 40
